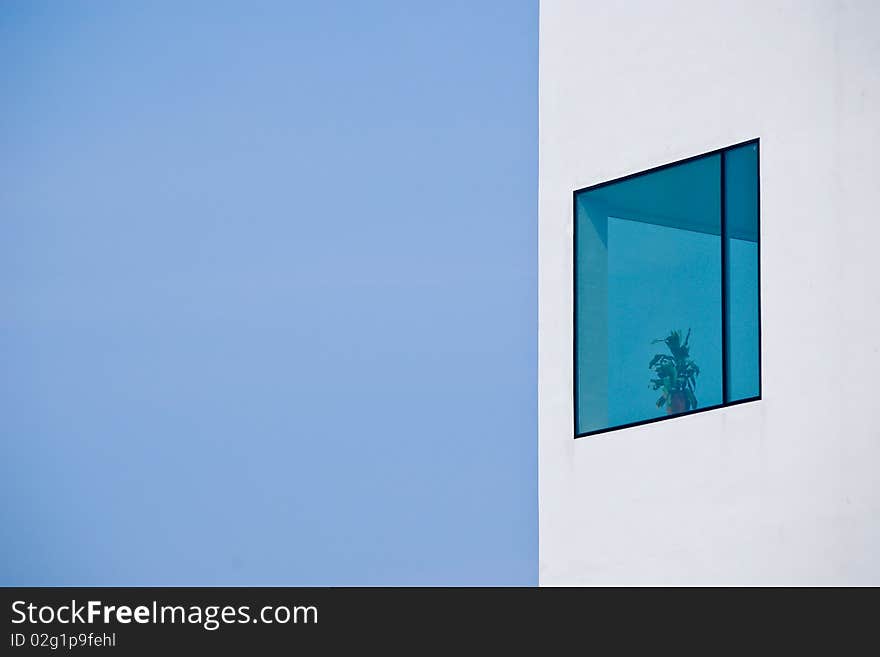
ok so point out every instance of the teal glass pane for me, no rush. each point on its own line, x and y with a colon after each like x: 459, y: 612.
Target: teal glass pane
x: 648, y: 264
x: 741, y: 206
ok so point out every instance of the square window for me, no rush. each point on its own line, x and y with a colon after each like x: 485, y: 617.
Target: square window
x: 667, y: 291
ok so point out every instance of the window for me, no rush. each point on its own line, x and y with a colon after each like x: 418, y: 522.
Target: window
x: 667, y: 291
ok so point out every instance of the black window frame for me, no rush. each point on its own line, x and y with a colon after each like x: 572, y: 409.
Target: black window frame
x: 724, y: 290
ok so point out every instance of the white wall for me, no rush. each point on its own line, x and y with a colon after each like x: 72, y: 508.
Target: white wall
x: 781, y: 491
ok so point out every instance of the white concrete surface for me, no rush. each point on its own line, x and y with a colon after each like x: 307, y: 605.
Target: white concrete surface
x: 781, y: 491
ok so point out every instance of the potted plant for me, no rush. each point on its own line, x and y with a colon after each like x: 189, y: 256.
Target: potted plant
x: 676, y: 374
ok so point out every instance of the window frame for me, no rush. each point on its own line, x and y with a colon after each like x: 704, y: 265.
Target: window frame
x: 721, y: 152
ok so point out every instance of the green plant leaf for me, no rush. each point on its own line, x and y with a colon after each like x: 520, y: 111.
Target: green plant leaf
x: 675, y: 371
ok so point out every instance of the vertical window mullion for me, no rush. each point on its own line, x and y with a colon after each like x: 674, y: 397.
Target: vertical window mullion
x: 724, y: 282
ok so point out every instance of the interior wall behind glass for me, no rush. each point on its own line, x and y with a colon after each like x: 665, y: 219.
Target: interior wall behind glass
x: 660, y: 279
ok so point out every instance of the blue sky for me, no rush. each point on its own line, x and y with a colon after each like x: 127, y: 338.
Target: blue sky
x: 268, y: 305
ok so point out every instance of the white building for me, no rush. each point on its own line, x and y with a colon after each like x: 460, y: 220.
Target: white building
x: 784, y: 490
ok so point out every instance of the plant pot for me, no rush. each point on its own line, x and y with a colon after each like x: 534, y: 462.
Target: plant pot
x: 677, y: 402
